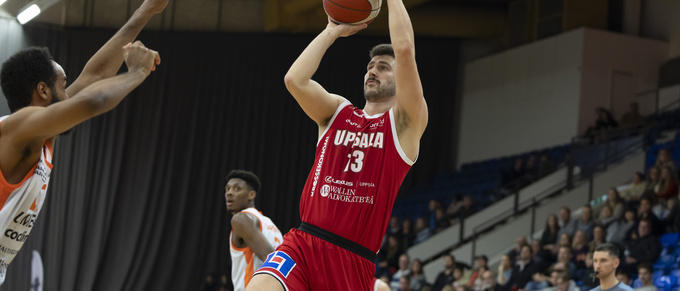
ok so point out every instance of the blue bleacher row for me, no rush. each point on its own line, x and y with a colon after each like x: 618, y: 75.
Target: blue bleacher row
x: 666, y: 271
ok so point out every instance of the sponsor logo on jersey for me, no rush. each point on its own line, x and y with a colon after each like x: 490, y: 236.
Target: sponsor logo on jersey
x: 343, y: 194
x: 330, y: 180
x: 352, y: 123
x: 359, y: 139
x: 366, y: 184
x: 317, y: 172
x: 279, y: 261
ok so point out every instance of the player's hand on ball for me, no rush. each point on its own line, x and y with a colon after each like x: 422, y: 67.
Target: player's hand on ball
x: 343, y: 29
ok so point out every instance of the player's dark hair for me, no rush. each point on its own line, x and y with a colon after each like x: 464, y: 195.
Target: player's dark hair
x: 381, y: 50
x: 251, y: 179
x: 21, y: 74
x: 610, y: 248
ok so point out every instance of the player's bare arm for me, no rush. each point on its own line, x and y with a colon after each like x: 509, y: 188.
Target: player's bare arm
x: 317, y: 103
x: 24, y: 133
x: 106, y: 62
x: 411, y: 109
x: 246, y: 232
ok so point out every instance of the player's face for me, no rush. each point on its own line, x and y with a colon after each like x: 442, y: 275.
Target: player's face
x: 238, y: 195
x: 379, y: 78
x: 604, y: 264
x: 59, y: 93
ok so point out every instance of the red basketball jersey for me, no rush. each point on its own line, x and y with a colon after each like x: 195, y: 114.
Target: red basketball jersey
x: 355, y: 179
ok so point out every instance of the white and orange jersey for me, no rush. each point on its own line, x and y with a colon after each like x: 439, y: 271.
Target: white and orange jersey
x: 20, y: 205
x: 244, y: 262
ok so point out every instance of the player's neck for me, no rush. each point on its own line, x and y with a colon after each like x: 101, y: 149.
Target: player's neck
x: 608, y: 282
x: 378, y: 107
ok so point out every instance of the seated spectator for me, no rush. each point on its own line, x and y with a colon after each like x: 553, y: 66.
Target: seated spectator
x: 586, y: 222
x: 524, y: 268
x: 636, y: 188
x: 469, y: 207
x: 394, y: 228
x: 454, y: 206
x: 541, y: 255
x: 667, y: 186
x: 407, y: 235
x: 388, y: 256
x: 545, y: 166
x: 441, y: 220
x: 422, y: 231
x: 652, y: 179
x: 633, y: 118
x: 564, y: 261
x: 606, y: 216
x: 599, y: 237
x: 623, y: 276
x: 431, y: 213
x: 549, y: 236
x: 664, y: 159
x: 530, y: 170
x: 645, y: 212
x: 614, y: 201
x: 445, y: 277
x: 504, y: 272
x: 481, y: 265
x: 565, y: 240
x: 511, y: 179
x: 404, y: 284
x: 487, y: 282
x: 403, y: 271
x: 563, y: 283
x: 672, y: 221
x: 605, y: 121
x: 645, y: 275
x: 418, y: 281
x: 645, y: 248
x: 458, y: 278
x: 521, y: 242
x: 579, y: 248
x: 567, y: 224
x: 620, y: 231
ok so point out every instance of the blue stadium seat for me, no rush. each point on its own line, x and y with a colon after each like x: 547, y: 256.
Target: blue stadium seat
x: 636, y: 283
x: 666, y: 283
x: 669, y: 239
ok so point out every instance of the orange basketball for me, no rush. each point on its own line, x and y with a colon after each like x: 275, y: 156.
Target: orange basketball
x: 352, y: 11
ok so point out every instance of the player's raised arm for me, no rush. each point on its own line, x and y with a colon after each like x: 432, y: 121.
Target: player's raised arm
x: 411, y: 109
x: 39, y: 123
x: 246, y: 228
x: 317, y: 103
x: 106, y: 62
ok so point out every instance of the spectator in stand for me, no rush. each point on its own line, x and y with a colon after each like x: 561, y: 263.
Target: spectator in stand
x: 504, y: 272
x: 403, y: 271
x: 541, y: 255
x: 459, y: 279
x: 580, y: 249
x: 224, y: 282
x: 599, y: 237
x: 614, y: 201
x: 512, y: 179
x: 564, y: 256
x: 667, y: 186
x: 481, y: 265
x: 645, y: 212
x: 418, y: 280
x: 404, y: 284
x: 441, y: 220
x: 445, y: 277
x: 550, y: 233
x: 636, y: 189
x: 524, y: 268
x: 407, y: 235
x: 672, y: 221
x: 432, y: 213
x: 487, y: 282
x: 565, y: 240
x: 664, y: 159
x: 620, y: 231
x: 422, y: 231
x: 586, y: 223
x: 567, y: 225
x: 633, y: 118
x: 605, y: 121
x: 645, y: 275
x: 645, y: 248
x: 388, y: 256
x: 394, y: 228
x: 521, y: 242
x: 606, y: 216
x: 545, y: 166
x: 469, y: 207
x: 210, y: 283
x: 563, y: 264
x: 652, y: 178
x: 623, y: 276
x: 454, y: 206
x: 530, y: 170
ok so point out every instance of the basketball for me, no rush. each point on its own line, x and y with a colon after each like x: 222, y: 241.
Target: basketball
x: 352, y: 11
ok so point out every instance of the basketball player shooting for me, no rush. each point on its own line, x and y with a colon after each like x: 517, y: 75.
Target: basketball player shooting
x: 43, y: 107
x: 253, y: 235
x: 362, y: 156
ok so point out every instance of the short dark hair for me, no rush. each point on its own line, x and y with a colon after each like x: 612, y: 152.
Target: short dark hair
x: 21, y: 74
x: 612, y: 249
x: 382, y: 50
x: 251, y: 179
x: 647, y: 266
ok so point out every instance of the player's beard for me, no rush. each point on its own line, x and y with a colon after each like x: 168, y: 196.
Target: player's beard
x: 386, y: 90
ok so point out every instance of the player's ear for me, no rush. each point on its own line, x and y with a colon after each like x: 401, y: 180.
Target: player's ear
x: 42, y: 91
x: 252, y: 194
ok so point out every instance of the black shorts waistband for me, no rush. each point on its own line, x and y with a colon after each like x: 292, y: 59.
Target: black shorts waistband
x: 338, y: 240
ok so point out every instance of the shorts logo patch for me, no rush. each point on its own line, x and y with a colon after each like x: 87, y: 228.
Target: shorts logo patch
x: 279, y: 261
